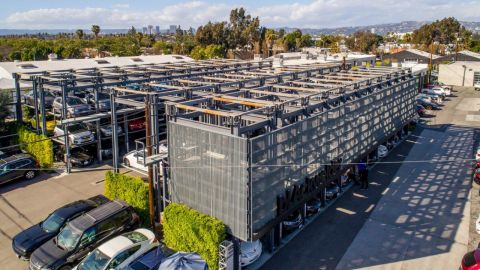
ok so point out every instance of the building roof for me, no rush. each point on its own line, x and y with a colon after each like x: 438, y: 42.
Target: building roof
x: 470, y: 53
x: 418, y: 52
x: 9, y: 68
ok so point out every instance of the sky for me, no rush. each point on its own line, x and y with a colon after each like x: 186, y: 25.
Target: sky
x: 63, y: 14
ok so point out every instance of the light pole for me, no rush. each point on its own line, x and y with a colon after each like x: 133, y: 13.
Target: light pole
x: 344, y: 53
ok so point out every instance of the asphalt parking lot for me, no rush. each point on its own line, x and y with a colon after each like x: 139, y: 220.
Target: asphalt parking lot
x: 25, y: 203
x: 413, y: 216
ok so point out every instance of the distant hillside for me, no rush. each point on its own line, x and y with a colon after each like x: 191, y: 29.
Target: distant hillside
x: 380, y: 29
x: 8, y: 32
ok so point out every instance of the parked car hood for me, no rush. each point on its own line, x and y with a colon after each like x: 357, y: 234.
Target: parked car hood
x: 80, y: 134
x: 31, y: 238
x: 48, y: 254
x: 79, y: 106
x: 81, y: 156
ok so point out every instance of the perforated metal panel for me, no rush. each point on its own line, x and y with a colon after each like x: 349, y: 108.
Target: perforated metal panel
x: 209, y: 172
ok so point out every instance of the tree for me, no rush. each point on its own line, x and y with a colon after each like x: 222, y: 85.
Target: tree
x: 79, y: 34
x: 362, y: 41
x: 96, y: 30
x: 446, y: 32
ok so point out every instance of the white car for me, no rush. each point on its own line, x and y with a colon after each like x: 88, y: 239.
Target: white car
x: 382, y: 151
x: 120, y: 251
x: 135, y: 158
x: 477, y: 225
x: 250, y: 252
x: 445, y: 89
x: 476, y: 85
x: 435, y: 91
x: 477, y: 155
x: 77, y: 134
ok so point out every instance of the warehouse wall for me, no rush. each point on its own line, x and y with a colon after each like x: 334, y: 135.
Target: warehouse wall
x: 452, y: 74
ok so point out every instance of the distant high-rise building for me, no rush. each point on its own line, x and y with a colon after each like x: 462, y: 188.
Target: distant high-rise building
x: 144, y: 30
x: 372, y: 30
x: 157, y: 29
x: 172, y: 29
x: 150, y: 29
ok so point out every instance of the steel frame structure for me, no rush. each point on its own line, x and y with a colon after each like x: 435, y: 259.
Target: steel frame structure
x: 261, y: 132
x: 64, y: 82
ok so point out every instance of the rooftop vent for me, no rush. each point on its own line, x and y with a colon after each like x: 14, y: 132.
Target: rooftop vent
x: 52, y: 57
x: 136, y: 60
x: 26, y: 66
x: 102, y: 61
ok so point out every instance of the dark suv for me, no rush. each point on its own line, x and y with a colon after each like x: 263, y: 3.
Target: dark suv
x: 27, y: 241
x: 83, y: 234
x: 17, y: 166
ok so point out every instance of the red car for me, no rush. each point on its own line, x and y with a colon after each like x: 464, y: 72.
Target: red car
x: 471, y: 260
x: 476, y: 175
x: 136, y: 124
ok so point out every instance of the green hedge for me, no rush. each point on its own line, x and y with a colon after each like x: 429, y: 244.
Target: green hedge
x: 130, y: 189
x: 39, y: 146
x: 186, y: 229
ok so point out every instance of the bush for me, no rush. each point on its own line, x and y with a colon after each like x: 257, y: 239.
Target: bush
x: 39, y: 146
x: 130, y: 189
x: 186, y: 229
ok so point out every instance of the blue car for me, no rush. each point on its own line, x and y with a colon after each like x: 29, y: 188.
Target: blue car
x: 428, y: 105
x: 151, y: 259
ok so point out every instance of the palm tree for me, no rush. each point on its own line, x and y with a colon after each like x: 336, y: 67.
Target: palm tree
x: 79, y: 33
x: 95, y: 30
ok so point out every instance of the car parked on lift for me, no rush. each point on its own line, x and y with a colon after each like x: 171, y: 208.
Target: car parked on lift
x: 136, y: 158
x: 106, y: 129
x: 83, y: 234
x: 151, y: 260
x: 136, y: 124
x: 78, y: 134
x: 120, y: 251
x: 81, y: 157
x: 17, y: 166
x: 332, y: 192
x: 103, y: 101
x: 75, y: 107
x: 292, y: 222
x: 471, y: 260
x: 29, y: 99
x: 25, y: 242
x: 250, y: 251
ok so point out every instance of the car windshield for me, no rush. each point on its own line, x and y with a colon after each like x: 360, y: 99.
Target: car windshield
x: 95, y: 260
x: 135, y: 237
x: 74, y: 101
x: 52, y: 223
x: 68, y: 238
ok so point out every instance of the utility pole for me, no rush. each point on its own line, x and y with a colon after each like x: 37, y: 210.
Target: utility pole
x: 148, y: 139
x: 430, y: 64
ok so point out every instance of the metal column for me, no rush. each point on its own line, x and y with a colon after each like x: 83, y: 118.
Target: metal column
x: 149, y: 153
x: 35, y: 103
x: 115, y: 152
x: 125, y: 131
x: 65, y: 127
x: 99, y: 134
x: 42, y: 106
x: 18, y: 101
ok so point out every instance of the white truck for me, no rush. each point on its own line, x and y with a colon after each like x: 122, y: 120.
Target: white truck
x: 476, y: 85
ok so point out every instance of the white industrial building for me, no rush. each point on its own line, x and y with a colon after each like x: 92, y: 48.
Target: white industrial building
x: 461, y: 73
x: 7, y: 69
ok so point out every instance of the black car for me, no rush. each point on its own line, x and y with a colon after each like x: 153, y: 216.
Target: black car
x: 428, y: 105
x: 83, y: 234
x: 332, y: 192
x: 81, y: 157
x: 292, y: 222
x: 17, y: 166
x: 27, y: 241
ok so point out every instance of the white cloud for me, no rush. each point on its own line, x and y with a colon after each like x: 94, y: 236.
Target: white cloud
x: 317, y: 13
x: 191, y: 13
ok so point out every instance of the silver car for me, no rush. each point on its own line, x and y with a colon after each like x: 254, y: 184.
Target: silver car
x: 75, y: 107
x: 77, y: 134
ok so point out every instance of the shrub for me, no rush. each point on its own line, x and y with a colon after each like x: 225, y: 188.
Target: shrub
x: 186, y: 229
x: 130, y: 189
x: 39, y: 146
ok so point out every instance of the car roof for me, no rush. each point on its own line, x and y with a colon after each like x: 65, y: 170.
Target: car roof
x: 98, y: 214
x: 15, y: 158
x: 152, y: 258
x: 75, y: 207
x: 115, y: 245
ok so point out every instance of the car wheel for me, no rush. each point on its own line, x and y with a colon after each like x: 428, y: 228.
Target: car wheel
x: 29, y: 175
x: 126, y: 162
